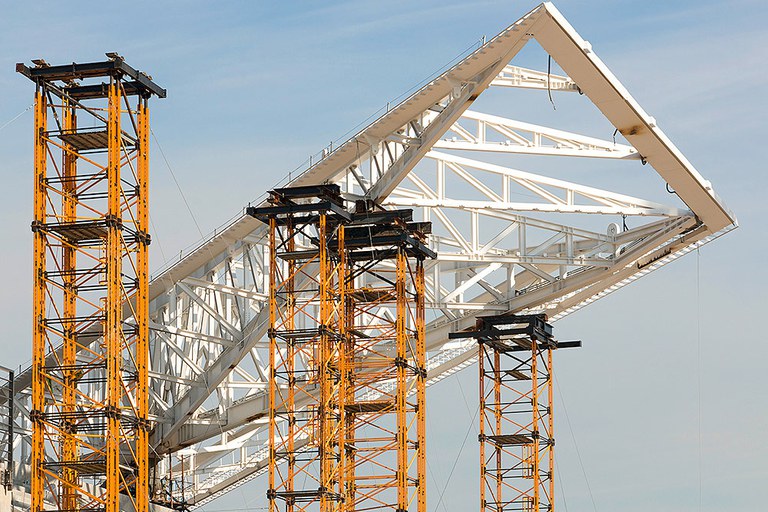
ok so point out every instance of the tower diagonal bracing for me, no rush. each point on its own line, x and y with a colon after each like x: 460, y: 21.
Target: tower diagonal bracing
x: 515, y: 229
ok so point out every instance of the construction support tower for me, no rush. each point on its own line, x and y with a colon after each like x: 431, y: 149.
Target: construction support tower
x: 386, y: 362
x: 347, y: 390
x: 306, y: 333
x: 90, y: 379
x: 516, y: 412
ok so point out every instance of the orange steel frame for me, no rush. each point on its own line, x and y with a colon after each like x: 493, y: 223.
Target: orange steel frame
x: 516, y: 424
x: 306, y: 333
x: 385, y: 404
x: 347, y: 360
x: 89, y: 368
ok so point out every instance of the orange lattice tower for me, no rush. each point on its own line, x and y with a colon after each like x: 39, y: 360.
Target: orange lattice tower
x: 347, y: 337
x: 307, y: 288
x: 516, y: 412
x: 385, y: 378
x: 90, y: 331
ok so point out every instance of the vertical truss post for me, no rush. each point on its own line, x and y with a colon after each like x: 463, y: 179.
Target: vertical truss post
x: 306, y: 332
x: 90, y: 396
x: 6, y: 432
x: 516, y: 423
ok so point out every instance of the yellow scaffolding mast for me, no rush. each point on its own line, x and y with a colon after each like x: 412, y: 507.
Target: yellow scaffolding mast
x: 385, y: 376
x: 306, y: 331
x: 347, y: 359
x: 516, y: 412
x: 91, y: 235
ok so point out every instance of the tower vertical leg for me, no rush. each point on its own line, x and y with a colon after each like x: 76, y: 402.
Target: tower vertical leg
x: 113, y: 335
x: 349, y: 379
x: 272, y: 384
x: 481, y: 431
x: 290, y: 306
x: 421, y: 385
x: 69, y: 450
x: 498, y: 409
x: 141, y: 313
x: 386, y: 378
x: 306, y: 330
x: 402, y: 383
x: 39, y: 344
x: 533, y: 447
x: 327, y: 369
x: 550, y: 448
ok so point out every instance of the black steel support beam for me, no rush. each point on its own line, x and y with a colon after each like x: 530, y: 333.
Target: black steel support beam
x: 497, y: 328
x: 116, y: 67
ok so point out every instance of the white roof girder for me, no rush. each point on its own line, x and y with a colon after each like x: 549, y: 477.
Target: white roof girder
x: 457, y: 89
x: 575, y: 56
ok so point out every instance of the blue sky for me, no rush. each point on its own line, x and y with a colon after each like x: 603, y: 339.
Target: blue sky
x: 254, y: 88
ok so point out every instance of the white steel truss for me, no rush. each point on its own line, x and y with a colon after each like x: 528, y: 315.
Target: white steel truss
x: 506, y: 239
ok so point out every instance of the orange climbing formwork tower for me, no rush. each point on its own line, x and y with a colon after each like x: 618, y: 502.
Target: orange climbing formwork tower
x: 307, y: 289
x: 346, y: 329
x: 516, y: 412
x: 90, y: 319
x: 385, y: 382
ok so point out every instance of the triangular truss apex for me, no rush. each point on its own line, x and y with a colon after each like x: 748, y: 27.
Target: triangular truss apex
x: 451, y: 94
x: 576, y: 57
